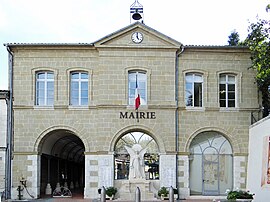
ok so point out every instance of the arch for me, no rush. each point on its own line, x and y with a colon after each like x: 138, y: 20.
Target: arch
x: 41, y: 138
x: 211, y: 163
x: 139, y: 128
x: 223, y: 132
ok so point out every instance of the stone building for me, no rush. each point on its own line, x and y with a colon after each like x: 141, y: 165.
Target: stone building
x: 3, y: 131
x: 74, y: 113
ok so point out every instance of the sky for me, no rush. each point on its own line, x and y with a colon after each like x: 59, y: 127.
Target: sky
x: 191, y: 22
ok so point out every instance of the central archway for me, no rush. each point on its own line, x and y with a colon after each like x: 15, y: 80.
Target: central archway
x: 62, y: 162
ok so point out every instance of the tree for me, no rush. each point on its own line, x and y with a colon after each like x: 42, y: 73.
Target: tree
x: 233, y: 38
x: 258, y: 42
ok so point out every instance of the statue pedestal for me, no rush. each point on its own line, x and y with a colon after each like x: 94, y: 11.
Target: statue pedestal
x: 128, y: 189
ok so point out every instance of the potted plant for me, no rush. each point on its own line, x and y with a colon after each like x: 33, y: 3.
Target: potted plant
x: 110, y: 192
x: 240, y: 195
x: 163, y: 193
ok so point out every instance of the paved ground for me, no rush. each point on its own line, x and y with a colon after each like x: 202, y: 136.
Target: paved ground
x: 74, y: 199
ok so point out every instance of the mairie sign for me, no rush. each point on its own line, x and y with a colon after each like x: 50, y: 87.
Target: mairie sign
x: 137, y: 115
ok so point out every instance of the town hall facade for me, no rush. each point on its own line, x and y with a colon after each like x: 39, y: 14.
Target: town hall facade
x: 74, y: 115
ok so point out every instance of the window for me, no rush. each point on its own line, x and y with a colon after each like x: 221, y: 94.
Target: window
x: 227, y: 90
x: 193, y: 96
x: 44, y: 88
x: 141, y: 81
x: 79, y: 89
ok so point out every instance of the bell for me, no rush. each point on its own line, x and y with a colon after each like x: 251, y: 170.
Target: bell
x: 136, y: 16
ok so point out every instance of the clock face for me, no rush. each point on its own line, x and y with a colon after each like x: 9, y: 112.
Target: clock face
x: 137, y: 37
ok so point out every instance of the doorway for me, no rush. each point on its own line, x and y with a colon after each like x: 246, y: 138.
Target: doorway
x: 62, y: 163
x: 211, y: 164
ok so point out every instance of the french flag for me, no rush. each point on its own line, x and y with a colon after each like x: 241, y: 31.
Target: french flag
x: 137, y: 96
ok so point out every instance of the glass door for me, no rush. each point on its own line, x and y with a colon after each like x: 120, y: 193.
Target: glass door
x: 210, y: 171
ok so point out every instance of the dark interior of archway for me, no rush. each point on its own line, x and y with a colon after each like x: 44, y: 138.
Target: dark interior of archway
x: 62, y: 161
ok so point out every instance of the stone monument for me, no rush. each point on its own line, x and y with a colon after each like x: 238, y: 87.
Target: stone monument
x: 136, y: 175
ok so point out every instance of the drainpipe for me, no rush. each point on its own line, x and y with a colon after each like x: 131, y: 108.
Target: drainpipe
x: 178, y: 53
x: 9, y: 147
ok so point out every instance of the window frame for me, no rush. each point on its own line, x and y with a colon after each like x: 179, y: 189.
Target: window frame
x: 130, y: 99
x: 193, y: 74
x: 227, y: 90
x: 80, y: 80
x: 44, y: 80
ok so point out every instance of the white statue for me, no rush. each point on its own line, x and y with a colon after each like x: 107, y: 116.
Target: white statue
x: 136, y: 167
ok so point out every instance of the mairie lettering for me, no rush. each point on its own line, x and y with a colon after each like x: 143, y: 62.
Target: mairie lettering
x: 137, y: 115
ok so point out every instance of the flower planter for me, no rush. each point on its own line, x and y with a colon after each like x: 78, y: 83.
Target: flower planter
x: 244, y: 200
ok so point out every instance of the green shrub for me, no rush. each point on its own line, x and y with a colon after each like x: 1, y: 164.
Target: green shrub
x: 232, y: 195
x: 163, y: 191
x: 110, y: 191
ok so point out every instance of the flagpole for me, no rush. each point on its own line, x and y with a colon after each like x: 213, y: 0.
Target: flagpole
x: 137, y: 101
x: 137, y: 114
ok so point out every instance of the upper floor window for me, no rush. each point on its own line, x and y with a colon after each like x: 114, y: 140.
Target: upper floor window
x: 193, y: 95
x: 44, y: 88
x: 141, y: 86
x: 227, y: 90
x: 79, y: 89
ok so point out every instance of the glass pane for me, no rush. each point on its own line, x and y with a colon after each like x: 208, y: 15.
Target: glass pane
x: 40, y: 101
x: 196, y: 175
x: 84, y: 94
x: 74, y: 101
x: 222, y: 95
x: 41, y: 75
x: 222, y: 79
x: 189, y: 78
x: 74, y: 86
x: 141, y: 85
x: 231, y: 103
x: 74, y: 75
x: 231, y: 95
x: 74, y: 94
x: 84, y: 101
x: 188, y: 99
x: 197, y: 94
x: 231, y: 79
x: 84, y: 86
x: 40, y: 93
x: 198, y: 78
x: 50, y: 94
x: 49, y: 75
x: 225, y: 173
x: 84, y: 75
x: 222, y: 103
x: 231, y: 87
x: 49, y: 85
x: 40, y: 85
x: 132, y: 85
x: 49, y: 102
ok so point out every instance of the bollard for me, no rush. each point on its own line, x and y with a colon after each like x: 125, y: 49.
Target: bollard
x: 20, y: 189
x: 138, y: 195
x: 171, y: 194
x: 103, y: 194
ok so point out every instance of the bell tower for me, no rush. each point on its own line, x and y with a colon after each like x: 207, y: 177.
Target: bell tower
x: 136, y: 12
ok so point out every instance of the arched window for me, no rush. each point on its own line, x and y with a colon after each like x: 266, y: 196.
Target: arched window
x: 227, y: 90
x: 141, y: 86
x: 45, y: 88
x: 79, y: 89
x: 122, y: 157
x: 211, y: 164
x: 194, y: 90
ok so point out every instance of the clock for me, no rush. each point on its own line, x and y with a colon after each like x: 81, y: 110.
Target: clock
x: 137, y: 37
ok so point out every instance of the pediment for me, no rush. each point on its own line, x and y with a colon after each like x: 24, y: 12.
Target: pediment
x: 151, y: 38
